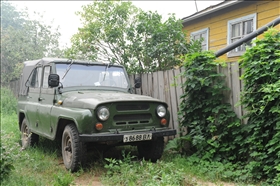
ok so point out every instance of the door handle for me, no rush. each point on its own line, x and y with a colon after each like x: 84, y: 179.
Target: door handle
x: 40, y: 99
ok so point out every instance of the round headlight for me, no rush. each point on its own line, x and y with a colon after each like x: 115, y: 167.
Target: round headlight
x: 161, y: 111
x: 103, y: 113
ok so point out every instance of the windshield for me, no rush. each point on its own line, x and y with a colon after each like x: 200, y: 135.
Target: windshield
x: 92, y: 75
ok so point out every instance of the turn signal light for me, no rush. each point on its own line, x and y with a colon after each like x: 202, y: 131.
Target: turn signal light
x: 163, y: 121
x: 99, y: 126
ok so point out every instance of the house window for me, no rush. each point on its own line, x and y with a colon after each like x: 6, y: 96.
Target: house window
x: 201, y: 35
x: 239, y: 28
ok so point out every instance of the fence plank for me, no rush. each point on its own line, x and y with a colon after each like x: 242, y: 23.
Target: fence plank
x: 236, y: 89
x: 145, y: 84
x: 244, y: 112
x: 174, y: 102
x: 155, y: 85
x: 179, y: 82
x: 167, y: 96
x: 161, y: 88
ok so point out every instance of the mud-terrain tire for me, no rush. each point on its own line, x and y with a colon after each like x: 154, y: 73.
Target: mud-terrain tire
x: 73, y: 151
x: 151, y: 150
x: 28, y: 139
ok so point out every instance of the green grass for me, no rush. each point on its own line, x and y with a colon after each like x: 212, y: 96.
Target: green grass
x: 43, y: 165
x: 34, y: 166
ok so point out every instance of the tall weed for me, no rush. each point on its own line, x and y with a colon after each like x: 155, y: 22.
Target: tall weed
x: 8, y: 101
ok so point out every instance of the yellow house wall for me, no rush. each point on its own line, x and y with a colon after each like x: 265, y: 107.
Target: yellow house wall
x: 266, y: 12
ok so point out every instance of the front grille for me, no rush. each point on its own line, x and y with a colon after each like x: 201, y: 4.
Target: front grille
x: 132, y: 119
x: 128, y: 107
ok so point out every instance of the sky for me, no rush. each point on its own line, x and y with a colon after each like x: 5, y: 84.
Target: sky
x: 62, y: 13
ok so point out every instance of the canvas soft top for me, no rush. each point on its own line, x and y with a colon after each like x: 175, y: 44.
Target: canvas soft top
x: 30, y: 65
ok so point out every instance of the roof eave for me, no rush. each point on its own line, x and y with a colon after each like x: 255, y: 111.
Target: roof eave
x: 215, y: 9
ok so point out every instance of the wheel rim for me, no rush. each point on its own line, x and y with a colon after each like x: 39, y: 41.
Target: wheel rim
x: 67, y: 149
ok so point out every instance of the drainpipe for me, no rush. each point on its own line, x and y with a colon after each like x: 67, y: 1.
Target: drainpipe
x: 248, y: 37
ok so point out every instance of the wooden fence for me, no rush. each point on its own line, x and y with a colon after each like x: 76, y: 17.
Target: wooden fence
x: 167, y: 86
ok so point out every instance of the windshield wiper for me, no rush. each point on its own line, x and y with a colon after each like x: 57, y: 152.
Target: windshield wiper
x: 68, y: 68
x: 106, y: 71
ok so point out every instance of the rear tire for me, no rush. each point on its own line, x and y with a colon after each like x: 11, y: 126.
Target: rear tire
x: 28, y: 139
x: 151, y: 150
x: 73, y: 151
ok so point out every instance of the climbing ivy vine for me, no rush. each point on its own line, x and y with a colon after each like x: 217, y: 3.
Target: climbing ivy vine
x: 212, y: 125
x: 214, y: 131
x: 261, y: 98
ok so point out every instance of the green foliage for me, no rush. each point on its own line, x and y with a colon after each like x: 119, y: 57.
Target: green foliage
x: 211, y: 170
x: 276, y: 180
x: 129, y: 172
x: 119, y: 32
x: 212, y: 125
x: 8, y: 101
x: 63, y: 179
x: 5, y: 163
x: 215, y: 132
x: 23, y: 39
x: 44, y: 160
x: 179, y: 144
x: 261, y: 98
x: 8, y: 106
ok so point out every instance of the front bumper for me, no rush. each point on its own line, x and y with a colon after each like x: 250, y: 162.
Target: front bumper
x: 119, y: 137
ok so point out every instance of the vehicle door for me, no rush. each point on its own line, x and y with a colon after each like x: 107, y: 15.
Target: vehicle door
x: 46, y: 102
x: 31, y: 108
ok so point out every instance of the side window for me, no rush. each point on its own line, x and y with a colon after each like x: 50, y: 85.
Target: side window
x: 35, y: 78
x: 47, y: 70
x: 237, y: 29
x: 201, y: 35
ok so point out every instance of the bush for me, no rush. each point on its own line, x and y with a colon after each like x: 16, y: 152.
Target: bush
x: 261, y: 98
x: 5, y: 163
x: 212, y: 124
x: 8, y: 101
x: 214, y: 130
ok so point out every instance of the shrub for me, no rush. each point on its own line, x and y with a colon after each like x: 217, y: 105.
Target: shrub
x: 261, y: 98
x: 212, y: 124
x: 8, y: 101
x: 5, y: 163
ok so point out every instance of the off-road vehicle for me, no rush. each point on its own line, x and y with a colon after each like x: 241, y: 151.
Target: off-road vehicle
x: 83, y: 103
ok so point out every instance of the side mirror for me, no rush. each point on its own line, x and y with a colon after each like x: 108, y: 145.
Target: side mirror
x: 53, y: 80
x: 138, y: 82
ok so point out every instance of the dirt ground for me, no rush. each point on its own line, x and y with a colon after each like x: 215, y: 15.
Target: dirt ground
x: 88, y: 180
x: 93, y: 179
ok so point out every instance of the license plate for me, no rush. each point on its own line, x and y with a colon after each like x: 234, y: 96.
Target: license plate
x: 137, y: 137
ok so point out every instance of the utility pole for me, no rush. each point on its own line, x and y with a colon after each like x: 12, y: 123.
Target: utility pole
x: 196, y: 6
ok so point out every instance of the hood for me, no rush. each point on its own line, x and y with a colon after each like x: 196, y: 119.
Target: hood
x: 90, y: 99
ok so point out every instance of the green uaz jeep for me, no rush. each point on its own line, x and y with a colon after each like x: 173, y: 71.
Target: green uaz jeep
x: 84, y: 103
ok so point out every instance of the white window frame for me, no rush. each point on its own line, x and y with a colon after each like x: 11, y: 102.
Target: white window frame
x: 201, y: 31
x: 229, y: 31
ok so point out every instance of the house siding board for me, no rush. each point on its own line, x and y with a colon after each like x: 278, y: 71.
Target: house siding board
x: 272, y: 13
x: 263, y: 6
x: 265, y: 21
x: 217, y: 22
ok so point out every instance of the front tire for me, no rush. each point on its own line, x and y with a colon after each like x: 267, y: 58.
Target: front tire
x: 73, y: 150
x: 151, y: 150
x: 28, y: 139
